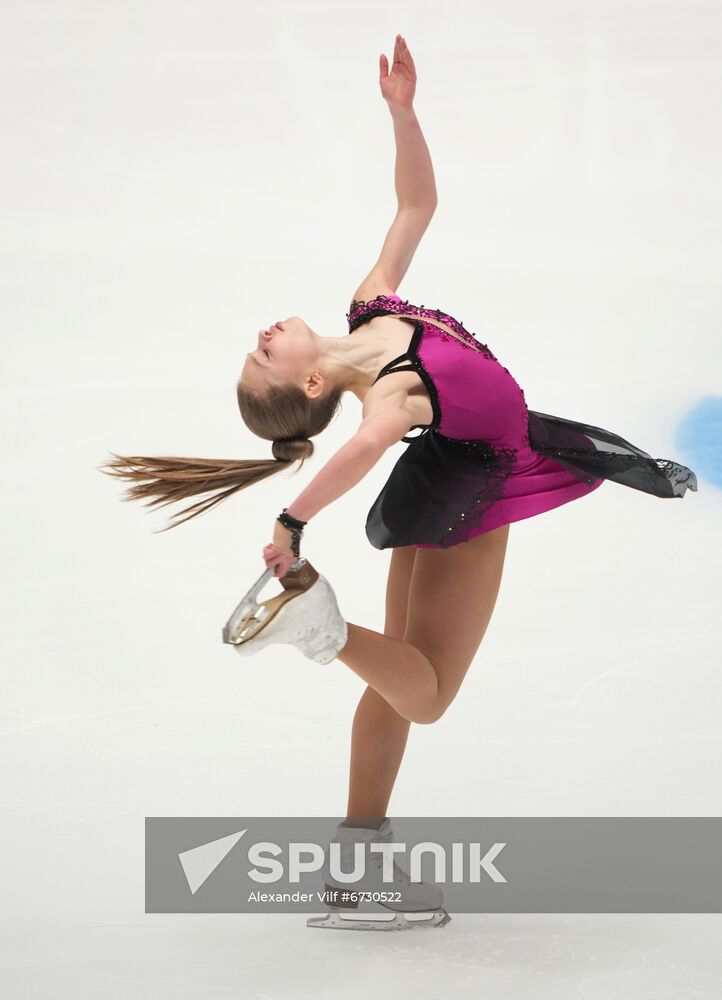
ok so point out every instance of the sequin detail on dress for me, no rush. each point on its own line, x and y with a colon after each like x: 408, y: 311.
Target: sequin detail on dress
x: 362, y: 311
x: 499, y: 464
x: 594, y: 451
x: 382, y: 305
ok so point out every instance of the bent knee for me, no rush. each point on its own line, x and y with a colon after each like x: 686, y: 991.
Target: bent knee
x: 426, y: 716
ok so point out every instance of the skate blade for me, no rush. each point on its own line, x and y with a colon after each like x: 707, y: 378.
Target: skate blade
x: 339, y: 920
x: 250, y: 613
x: 246, y: 610
x: 249, y: 622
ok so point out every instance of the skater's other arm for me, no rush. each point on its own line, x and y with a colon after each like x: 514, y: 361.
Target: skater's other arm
x: 352, y: 461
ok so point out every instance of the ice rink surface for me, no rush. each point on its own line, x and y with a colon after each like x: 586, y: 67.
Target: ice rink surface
x: 176, y: 177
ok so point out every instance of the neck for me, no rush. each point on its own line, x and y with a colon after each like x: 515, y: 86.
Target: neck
x: 353, y: 362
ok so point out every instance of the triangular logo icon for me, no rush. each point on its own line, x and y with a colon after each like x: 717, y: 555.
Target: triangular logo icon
x: 199, y: 863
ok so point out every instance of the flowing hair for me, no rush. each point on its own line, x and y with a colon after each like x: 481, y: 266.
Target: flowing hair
x: 283, y: 415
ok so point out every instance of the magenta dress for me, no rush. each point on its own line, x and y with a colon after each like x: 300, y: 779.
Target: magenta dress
x: 486, y: 459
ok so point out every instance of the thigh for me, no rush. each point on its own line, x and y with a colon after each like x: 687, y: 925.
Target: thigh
x: 397, y: 590
x: 451, y: 599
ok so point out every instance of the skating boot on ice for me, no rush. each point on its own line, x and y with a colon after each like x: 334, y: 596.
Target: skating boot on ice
x: 419, y: 904
x: 305, y: 614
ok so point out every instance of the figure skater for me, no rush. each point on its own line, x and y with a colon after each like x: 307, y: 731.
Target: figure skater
x: 481, y: 461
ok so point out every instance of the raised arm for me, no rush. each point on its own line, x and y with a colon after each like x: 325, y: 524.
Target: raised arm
x: 414, y: 179
x: 415, y: 186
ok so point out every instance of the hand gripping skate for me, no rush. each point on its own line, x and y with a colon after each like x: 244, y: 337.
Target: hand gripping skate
x: 305, y: 614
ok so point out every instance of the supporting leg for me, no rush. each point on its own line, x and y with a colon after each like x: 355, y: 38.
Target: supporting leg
x: 379, y: 734
x: 378, y: 742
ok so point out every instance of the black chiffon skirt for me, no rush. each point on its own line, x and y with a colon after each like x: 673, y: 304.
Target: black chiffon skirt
x: 443, y: 490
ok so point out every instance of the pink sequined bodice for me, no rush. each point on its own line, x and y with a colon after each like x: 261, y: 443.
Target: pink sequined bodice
x: 472, y: 394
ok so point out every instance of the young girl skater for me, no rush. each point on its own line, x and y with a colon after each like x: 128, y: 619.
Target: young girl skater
x: 482, y: 460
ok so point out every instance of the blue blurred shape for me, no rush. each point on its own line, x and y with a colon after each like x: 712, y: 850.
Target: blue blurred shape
x: 699, y: 439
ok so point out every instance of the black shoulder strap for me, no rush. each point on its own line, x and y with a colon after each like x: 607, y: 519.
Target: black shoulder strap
x: 389, y: 367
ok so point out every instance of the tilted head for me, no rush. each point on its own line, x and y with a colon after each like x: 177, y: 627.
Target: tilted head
x: 290, y: 389
x: 285, y: 393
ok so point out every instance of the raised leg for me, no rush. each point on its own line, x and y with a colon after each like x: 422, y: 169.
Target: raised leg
x: 451, y: 599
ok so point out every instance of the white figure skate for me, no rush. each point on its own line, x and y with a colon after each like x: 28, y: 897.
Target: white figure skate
x: 419, y: 907
x: 305, y: 615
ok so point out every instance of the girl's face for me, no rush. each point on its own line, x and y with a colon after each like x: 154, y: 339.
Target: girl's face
x: 285, y: 353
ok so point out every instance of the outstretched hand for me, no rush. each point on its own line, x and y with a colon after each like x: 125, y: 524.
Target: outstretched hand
x: 398, y: 86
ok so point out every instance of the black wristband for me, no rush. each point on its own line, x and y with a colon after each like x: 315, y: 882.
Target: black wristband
x: 295, y: 527
x: 290, y: 522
